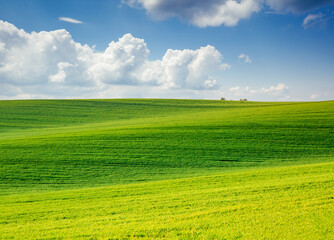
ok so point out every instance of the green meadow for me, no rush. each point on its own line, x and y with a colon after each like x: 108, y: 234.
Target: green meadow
x: 166, y: 169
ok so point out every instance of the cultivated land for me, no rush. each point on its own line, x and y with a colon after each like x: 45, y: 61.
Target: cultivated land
x: 173, y: 169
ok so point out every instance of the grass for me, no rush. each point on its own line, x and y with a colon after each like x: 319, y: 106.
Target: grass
x: 175, y: 169
x: 279, y: 203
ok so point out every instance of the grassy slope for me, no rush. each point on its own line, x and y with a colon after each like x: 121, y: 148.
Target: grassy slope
x: 48, y: 145
x: 280, y: 203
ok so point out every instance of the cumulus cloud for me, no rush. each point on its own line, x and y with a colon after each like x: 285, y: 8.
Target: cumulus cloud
x: 32, y: 58
x: 70, y: 20
x: 198, y: 12
x: 189, y: 68
x: 245, y: 58
x: 53, y: 64
x: 280, y: 90
x: 220, y: 12
x: 120, y: 62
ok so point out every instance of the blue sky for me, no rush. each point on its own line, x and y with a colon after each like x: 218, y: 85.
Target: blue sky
x: 258, y: 49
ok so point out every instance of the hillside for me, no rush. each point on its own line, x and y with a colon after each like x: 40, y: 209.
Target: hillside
x: 278, y: 203
x: 179, y: 169
x: 77, y: 143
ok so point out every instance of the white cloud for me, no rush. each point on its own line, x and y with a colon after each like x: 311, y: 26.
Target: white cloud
x: 280, y: 90
x: 220, y: 12
x: 120, y: 62
x: 245, y: 58
x: 53, y: 64
x: 70, y: 20
x: 198, y: 12
x: 30, y: 58
x: 190, y: 68
x: 313, y: 19
x: 61, y: 75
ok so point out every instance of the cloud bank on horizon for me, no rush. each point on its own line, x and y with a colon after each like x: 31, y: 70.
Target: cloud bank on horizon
x: 52, y: 65
x: 220, y: 12
x: 54, y: 61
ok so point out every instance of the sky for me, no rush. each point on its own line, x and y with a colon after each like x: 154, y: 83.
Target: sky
x: 262, y: 50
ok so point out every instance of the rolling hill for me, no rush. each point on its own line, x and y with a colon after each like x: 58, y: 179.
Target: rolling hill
x: 174, y: 169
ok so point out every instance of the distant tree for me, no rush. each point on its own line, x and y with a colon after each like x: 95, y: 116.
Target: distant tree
x: 243, y: 100
x: 223, y: 99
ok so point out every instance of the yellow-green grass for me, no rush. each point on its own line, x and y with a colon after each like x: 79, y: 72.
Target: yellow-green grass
x: 277, y: 203
x: 174, y: 169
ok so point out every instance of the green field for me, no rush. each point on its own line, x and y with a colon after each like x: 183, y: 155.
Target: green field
x: 166, y: 169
